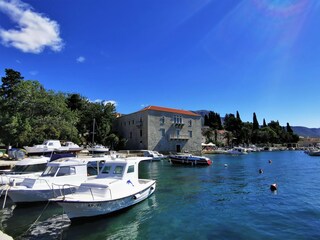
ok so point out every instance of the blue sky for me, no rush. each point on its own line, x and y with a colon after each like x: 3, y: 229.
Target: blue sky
x: 259, y: 56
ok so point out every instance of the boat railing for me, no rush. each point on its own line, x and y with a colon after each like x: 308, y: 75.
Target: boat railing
x: 92, y: 193
x: 62, y: 189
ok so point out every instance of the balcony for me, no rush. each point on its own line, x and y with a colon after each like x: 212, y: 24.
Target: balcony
x: 139, y: 124
x: 178, y: 125
x: 179, y: 137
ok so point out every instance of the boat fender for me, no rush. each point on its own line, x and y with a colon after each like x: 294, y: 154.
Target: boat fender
x: 273, y: 187
x: 137, y: 196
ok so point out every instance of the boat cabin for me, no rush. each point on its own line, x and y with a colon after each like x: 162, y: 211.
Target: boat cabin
x: 120, y: 169
x: 70, y: 171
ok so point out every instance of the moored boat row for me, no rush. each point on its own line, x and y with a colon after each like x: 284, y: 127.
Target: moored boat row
x: 66, y: 182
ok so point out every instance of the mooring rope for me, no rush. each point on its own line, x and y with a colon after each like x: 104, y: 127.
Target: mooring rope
x: 36, y: 219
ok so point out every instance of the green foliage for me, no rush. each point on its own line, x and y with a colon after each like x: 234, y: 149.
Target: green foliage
x: 30, y: 114
x: 213, y: 120
x: 239, y: 132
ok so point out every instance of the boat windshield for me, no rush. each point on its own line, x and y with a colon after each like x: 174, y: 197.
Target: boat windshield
x: 65, y: 171
x: 114, y: 170
x: 20, y: 169
x: 50, y: 171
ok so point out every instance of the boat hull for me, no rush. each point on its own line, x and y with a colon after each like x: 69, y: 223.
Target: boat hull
x: 190, y: 161
x: 20, y: 196
x: 314, y: 153
x: 84, y: 209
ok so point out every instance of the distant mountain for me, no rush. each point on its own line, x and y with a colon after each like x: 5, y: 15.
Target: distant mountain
x: 306, y: 132
x: 301, y: 131
x: 201, y: 112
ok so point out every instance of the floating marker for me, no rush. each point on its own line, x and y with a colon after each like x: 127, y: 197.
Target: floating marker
x: 260, y: 171
x: 226, y: 165
x: 270, y: 161
x: 273, y: 187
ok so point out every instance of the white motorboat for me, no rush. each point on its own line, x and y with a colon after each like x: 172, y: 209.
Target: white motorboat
x: 237, y: 151
x: 98, y: 149
x: 188, y: 159
x: 60, y: 177
x: 72, y: 147
x: 117, y: 186
x: 314, y: 152
x: 28, y: 167
x: 49, y: 146
x: 153, y: 154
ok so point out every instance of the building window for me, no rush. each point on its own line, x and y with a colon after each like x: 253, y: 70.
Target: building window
x: 190, y: 123
x: 161, y: 120
x: 129, y: 123
x: 177, y: 133
x: 132, y: 122
x: 163, y: 132
x: 140, y: 133
x: 177, y: 119
x: 190, y: 134
x: 130, y: 135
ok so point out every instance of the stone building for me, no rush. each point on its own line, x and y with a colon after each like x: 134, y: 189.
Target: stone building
x: 161, y: 129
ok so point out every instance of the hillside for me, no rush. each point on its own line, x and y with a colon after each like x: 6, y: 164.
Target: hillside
x: 306, y: 132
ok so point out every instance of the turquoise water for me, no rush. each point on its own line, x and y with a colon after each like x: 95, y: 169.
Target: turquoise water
x: 214, y: 202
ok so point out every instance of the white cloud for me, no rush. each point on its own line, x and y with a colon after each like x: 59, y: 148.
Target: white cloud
x: 33, y: 31
x: 111, y: 102
x: 81, y: 59
x: 105, y: 102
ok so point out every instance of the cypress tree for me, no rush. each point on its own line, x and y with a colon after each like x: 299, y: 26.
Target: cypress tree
x: 264, y: 123
x: 289, y: 129
x: 255, y: 124
x: 238, y: 116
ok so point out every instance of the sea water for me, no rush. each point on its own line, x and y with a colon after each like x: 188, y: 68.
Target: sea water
x: 228, y: 200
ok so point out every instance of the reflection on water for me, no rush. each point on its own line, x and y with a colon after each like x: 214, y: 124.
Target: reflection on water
x: 215, y: 202
x: 20, y: 221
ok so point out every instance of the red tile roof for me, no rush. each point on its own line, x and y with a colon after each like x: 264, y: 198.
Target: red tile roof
x: 171, y: 110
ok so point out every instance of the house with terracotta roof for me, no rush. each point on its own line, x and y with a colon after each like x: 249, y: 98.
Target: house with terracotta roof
x: 161, y: 129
